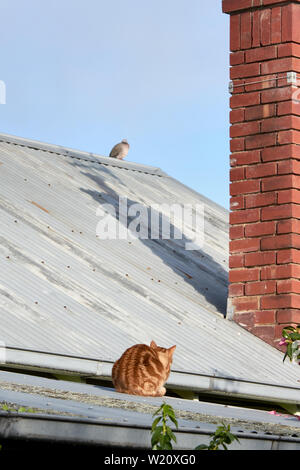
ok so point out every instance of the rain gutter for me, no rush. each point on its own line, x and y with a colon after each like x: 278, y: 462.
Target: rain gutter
x: 90, y: 431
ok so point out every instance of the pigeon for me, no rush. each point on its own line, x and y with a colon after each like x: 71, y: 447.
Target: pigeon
x: 120, y: 150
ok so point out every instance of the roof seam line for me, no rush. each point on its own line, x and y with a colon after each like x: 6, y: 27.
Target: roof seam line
x: 67, y: 153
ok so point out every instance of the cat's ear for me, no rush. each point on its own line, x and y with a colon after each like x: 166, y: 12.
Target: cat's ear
x: 153, y: 344
x: 171, y: 350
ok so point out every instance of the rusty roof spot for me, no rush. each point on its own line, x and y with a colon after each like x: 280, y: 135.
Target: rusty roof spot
x: 186, y: 274
x: 38, y: 205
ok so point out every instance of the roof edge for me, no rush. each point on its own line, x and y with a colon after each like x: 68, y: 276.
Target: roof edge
x: 97, y: 368
x: 81, y: 155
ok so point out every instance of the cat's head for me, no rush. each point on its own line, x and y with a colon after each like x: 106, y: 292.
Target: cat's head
x: 165, y: 355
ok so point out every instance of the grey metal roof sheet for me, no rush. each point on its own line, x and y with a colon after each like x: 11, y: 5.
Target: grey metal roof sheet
x: 66, y: 292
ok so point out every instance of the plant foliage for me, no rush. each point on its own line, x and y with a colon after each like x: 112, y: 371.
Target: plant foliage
x: 291, y: 339
x: 222, y: 437
x: 162, y: 434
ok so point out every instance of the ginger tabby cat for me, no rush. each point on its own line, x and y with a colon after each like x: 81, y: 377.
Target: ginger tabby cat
x: 143, y: 370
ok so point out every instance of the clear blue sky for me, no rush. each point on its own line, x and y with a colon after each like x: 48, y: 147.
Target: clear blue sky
x: 87, y: 73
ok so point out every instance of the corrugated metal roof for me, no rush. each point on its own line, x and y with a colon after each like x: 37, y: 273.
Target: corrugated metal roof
x: 65, y: 291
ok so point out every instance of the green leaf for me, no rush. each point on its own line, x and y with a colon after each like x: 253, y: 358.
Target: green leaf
x: 294, y: 336
x: 201, y: 447
x: 170, y: 434
x: 284, y: 357
x: 156, y: 435
x: 174, y: 420
x: 155, y: 422
x: 289, y: 350
x: 158, y: 411
x: 164, y: 442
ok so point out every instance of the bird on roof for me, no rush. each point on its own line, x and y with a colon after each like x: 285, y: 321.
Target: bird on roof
x: 120, y: 150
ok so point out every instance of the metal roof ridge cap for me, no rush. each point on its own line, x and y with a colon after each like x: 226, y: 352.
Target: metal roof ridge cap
x: 89, y: 156
x: 188, y: 381
x: 235, y: 387
x: 57, y: 362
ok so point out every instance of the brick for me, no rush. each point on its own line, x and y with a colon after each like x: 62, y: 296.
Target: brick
x: 237, y: 58
x: 245, y: 158
x: 279, y: 123
x: 290, y: 23
x: 230, y: 6
x: 280, y: 301
x: 288, y: 316
x: 237, y: 202
x: 235, y: 290
x: 261, y: 170
x: 244, y: 246
x: 261, y: 140
x: 246, y: 27
x: 255, y: 83
x: 244, y: 187
x: 260, y: 200
x: 261, y: 53
x: 265, y: 27
x: 243, y: 304
x: 256, y: 28
x: 276, y: 25
x: 280, y: 271
x: 237, y: 115
x: 260, y: 287
x: 259, y: 259
x: 289, y: 49
x: 290, y: 255
x: 279, y: 182
x: 264, y: 317
x: 247, y: 99
x: 288, y: 195
x: 244, y: 275
x: 236, y: 231
x: 280, y: 152
x: 237, y: 173
x: 245, y: 128
x: 236, y: 261
x: 244, y: 319
x: 275, y: 66
x: 272, y: 2
x: 277, y: 94
x: 250, y: 70
x: 288, y: 107
x: 286, y: 286
x: 289, y: 166
x: 288, y: 137
x: 237, y: 144
x: 235, y: 35
x: 259, y: 229
x: 260, y: 112
x: 266, y: 333
x: 288, y: 226
x: 289, y: 240
x: 283, y: 211
x: 245, y: 216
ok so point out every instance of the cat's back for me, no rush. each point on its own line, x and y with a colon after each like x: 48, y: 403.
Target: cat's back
x: 142, y: 370
x: 132, y: 364
x: 133, y: 359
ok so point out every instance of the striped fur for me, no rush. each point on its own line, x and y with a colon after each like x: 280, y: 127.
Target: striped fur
x: 143, y: 370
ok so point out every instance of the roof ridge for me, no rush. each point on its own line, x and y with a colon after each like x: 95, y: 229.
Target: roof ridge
x: 81, y: 155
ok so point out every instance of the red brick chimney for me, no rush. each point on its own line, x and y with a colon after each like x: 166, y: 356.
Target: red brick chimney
x: 264, y: 292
